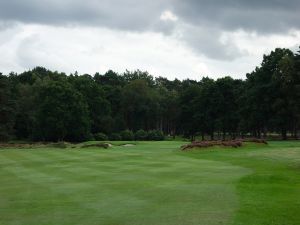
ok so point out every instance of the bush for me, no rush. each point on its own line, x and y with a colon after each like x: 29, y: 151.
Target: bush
x: 127, y: 135
x: 141, y: 135
x: 155, y: 135
x: 115, y: 137
x: 100, y: 137
x: 207, y: 144
x: 89, y: 137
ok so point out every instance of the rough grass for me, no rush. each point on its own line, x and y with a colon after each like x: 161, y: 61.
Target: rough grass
x: 151, y: 183
x: 270, y: 194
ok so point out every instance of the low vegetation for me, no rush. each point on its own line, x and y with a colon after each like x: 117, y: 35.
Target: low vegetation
x: 206, y: 144
x: 229, y: 143
x: 100, y: 137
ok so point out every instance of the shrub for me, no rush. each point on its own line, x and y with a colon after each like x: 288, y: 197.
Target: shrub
x: 141, y: 135
x: 100, y: 137
x: 206, y: 144
x: 89, y: 137
x: 115, y: 137
x: 127, y: 135
x: 155, y: 135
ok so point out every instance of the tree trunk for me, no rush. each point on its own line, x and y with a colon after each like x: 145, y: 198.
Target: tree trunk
x: 224, y: 136
x: 283, y: 134
x: 259, y: 134
x: 295, y: 136
x: 192, y: 138
x: 242, y: 135
x: 265, y: 133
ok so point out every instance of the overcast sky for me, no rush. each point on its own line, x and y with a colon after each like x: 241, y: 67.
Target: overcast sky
x: 170, y: 38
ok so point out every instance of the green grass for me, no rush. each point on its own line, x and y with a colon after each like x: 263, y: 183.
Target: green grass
x: 151, y: 183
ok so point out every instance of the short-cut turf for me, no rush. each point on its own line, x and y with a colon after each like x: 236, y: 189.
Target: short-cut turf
x: 151, y: 183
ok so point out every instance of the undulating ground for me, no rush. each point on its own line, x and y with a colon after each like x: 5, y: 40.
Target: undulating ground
x: 151, y: 183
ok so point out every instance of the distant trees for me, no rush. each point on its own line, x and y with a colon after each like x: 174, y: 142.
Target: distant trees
x: 141, y: 135
x: 138, y: 105
x: 62, y: 113
x: 189, y: 115
x: 44, y: 105
x: 272, y: 91
x: 7, y: 109
x: 127, y: 135
x: 267, y: 101
x: 99, y: 107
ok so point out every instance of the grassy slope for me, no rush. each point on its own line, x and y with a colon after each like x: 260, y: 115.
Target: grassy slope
x: 151, y: 183
x: 271, y: 193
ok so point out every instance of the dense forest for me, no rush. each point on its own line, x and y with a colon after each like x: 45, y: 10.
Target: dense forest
x: 41, y: 105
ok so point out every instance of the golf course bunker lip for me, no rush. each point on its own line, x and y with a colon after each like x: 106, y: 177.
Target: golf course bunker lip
x: 127, y: 145
x: 108, y: 144
x: 97, y: 145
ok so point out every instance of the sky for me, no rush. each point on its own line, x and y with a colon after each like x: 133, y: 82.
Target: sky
x: 170, y: 38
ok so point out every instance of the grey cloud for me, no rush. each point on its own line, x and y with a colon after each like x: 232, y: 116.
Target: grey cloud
x: 206, y: 41
x: 116, y: 14
x: 6, y: 25
x: 267, y: 16
x: 200, y: 21
x: 263, y: 15
x: 27, y: 54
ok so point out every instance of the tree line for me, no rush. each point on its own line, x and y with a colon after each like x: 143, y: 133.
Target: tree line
x: 42, y: 105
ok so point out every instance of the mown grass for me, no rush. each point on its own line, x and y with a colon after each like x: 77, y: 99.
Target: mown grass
x: 270, y: 194
x: 151, y: 183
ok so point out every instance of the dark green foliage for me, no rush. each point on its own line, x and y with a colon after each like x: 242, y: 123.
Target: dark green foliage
x: 141, y: 135
x: 99, y: 107
x: 26, y: 111
x: 189, y: 110
x: 115, y: 137
x: 271, y: 95
x: 100, y: 137
x: 62, y: 113
x: 7, y: 106
x: 139, y: 105
x: 43, y: 105
x: 155, y: 135
x: 127, y: 135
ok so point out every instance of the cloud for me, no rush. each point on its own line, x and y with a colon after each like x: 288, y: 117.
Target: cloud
x: 209, y: 42
x: 4, y: 25
x: 168, y: 16
x: 266, y: 16
x: 131, y: 15
x: 216, y: 32
x: 62, y: 49
x: 136, y: 15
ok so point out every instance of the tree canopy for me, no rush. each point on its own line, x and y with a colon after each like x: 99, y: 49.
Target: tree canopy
x: 45, y: 105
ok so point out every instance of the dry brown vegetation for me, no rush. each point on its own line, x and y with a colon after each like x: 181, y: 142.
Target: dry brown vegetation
x: 96, y: 145
x: 35, y: 145
x: 231, y: 143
